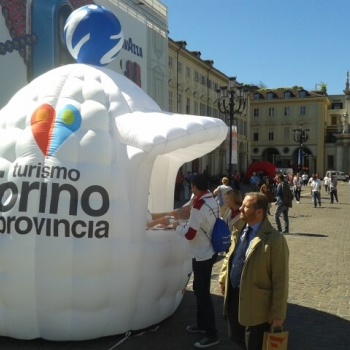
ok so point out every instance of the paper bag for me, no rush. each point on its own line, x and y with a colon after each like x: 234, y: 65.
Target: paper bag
x: 275, y: 340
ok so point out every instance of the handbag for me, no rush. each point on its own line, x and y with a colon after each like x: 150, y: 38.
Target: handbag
x: 275, y: 340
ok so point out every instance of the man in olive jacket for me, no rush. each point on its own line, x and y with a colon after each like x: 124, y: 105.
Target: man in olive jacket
x: 259, y: 299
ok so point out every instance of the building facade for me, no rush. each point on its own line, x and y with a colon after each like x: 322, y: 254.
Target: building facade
x: 193, y: 89
x: 275, y: 117
x: 337, y: 144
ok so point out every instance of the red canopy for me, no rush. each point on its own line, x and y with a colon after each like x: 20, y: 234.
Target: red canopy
x: 268, y: 168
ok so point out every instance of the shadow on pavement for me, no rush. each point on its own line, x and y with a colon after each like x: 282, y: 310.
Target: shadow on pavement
x: 171, y: 334
x: 309, y: 329
x: 316, y: 235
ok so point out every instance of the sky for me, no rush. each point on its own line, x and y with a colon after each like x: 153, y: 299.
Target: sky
x: 277, y: 43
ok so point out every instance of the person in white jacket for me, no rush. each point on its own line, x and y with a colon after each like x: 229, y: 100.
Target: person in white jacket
x: 316, y: 190
x: 198, y: 232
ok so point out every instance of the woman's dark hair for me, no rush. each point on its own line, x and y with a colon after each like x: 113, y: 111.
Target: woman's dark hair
x: 201, y: 182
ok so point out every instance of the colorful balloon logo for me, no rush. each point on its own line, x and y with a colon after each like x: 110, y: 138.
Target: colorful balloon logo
x: 49, y: 130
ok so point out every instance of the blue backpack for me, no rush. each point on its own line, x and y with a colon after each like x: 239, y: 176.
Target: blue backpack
x: 221, y: 235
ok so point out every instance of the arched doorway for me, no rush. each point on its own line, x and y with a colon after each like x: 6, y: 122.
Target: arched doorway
x: 271, y: 155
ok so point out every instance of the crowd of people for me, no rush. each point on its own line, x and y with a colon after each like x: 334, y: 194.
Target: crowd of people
x: 253, y: 300
x: 183, y: 182
x: 255, y: 274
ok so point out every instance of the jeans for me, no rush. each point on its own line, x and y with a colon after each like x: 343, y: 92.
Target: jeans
x: 282, y: 209
x: 201, y: 285
x: 297, y: 191
x: 317, y: 198
x: 334, y: 195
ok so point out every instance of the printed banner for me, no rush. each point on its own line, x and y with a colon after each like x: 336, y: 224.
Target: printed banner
x: 234, y: 145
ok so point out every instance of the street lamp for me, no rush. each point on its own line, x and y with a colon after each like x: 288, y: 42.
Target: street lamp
x: 231, y: 100
x: 301, y: 136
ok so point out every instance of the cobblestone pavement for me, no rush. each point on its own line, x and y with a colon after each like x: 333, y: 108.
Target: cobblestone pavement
x: 319, y: 299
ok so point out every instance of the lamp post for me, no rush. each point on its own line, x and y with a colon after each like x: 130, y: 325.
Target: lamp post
x: 231, y: 100
x: 301, y: 136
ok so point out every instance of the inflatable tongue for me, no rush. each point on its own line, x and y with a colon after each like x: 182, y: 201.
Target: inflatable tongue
x: 84, y: 153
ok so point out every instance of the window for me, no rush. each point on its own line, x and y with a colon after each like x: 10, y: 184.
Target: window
x: 202, y: 109
x: 302, y: 110
x: 257, y: 97
x: 256, y: 112
x: 286, y: 133
x: 158, y: 87
x: 196, y: 76
x: 171, y: 101
x: 179, y: 67
x: 302, y: 93
x: 188, y: 106
x: 337, y: 105
x: 203, y: 80
x: 209, y: 83
x: 179, y: 102
x: 209, y: 111
x: 157, y: 41
x: 188, y: 72
x: 270, y: 135
x: 334, y: 120
x: 195, y: 107
x: 271, y: 112
x: 287, y: 95
x: 216, y: 87
x: 330, y: 161
x: 270, y: 96
x: 256, y: 136
x: 286, y: 111
x: 170, y: 61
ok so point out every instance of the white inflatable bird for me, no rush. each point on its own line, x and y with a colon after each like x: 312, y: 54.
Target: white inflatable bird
x: 81, y: 149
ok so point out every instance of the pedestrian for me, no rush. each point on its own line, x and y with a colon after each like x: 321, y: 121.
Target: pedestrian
x: 236, y: 181
x: 297, y: 187
x: 326, y: 181
x: 232, y: 213
x: 254, y: 182
x: 305, y: 178
x: 178, y: 185
x: 198, y: 231
x: 333, y: 189
x: 255, y: 275
x: 187, y: 185
x: 220, y: 192
x: 309, y: 184
x: 282, y: 204
x: 266, y: 189
x: 315, y: 186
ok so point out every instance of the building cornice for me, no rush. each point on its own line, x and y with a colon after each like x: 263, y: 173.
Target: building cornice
x: 192, y: 56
